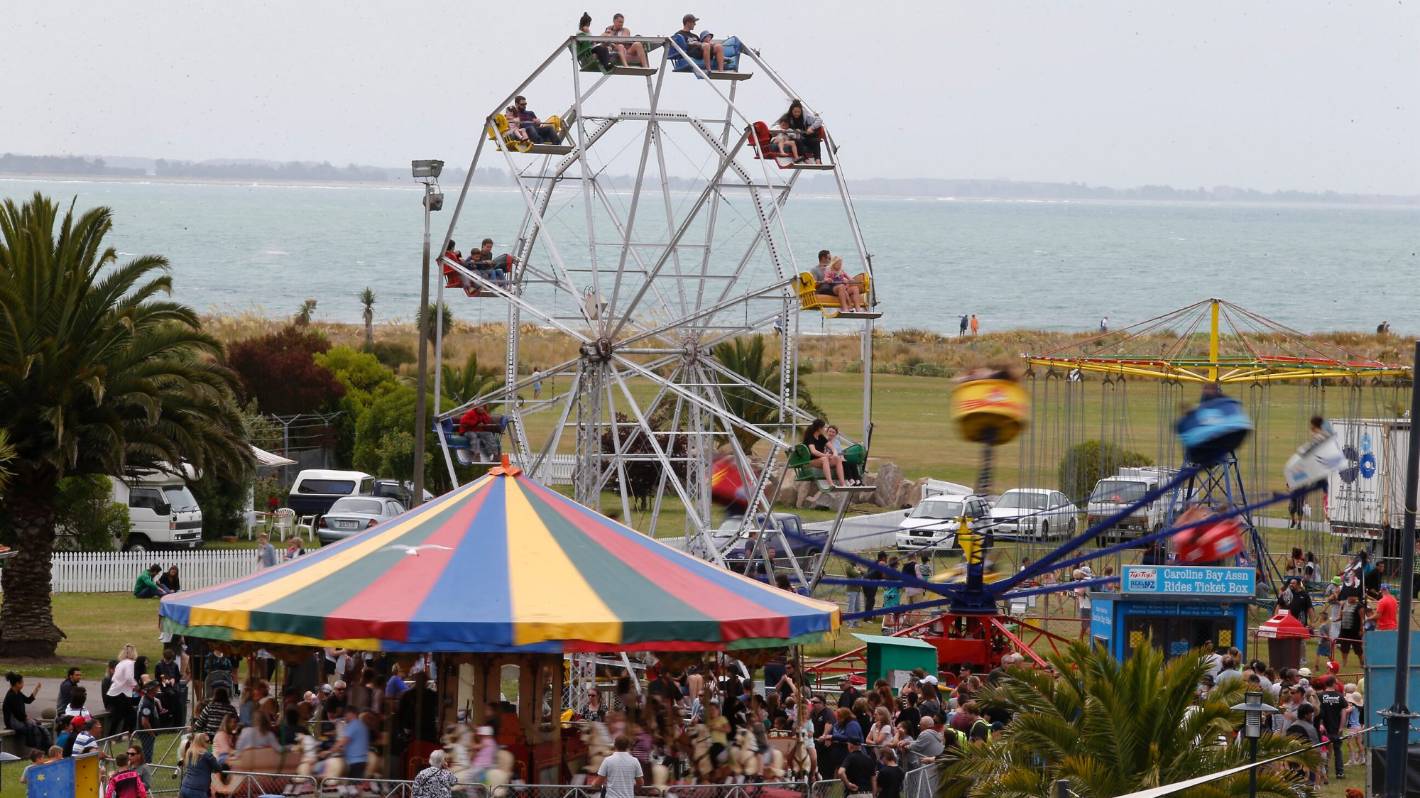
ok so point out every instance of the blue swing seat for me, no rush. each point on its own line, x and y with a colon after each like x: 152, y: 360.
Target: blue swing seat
x: 1213, y: 429
x: 679, y: 64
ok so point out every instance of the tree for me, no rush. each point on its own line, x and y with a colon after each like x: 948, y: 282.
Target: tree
x: 1086, y: 463
x: 7, y: 453
x: 1111, y: 728
x: 446, y: 320
x: 364, y: 379
x: 367, y: 298
x: 303, y: 316
x: 280, y: 372
x: 464, y: 384
x: 384, y: 440
x: 749, y: 358
x: 98, y: 372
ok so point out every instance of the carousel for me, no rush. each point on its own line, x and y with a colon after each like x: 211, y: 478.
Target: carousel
x: 500, y: 574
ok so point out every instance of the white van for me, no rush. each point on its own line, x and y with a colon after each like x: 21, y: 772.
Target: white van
x: 1113, y: 493
x: 162, y: 512
x: 316, y: 489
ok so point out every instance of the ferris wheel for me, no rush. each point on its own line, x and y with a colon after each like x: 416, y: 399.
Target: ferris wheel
x: 653, y: 229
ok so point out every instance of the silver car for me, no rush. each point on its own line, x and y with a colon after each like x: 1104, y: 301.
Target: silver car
x: 1034, y: 513
x: 353, y: 514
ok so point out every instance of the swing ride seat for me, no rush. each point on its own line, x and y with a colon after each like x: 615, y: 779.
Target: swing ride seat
x: 732, y: 61
x: 763, y: 140
x: 990, y: 411
x: 500, y: 127
x: 810, y: 299
x: 1214, y: 428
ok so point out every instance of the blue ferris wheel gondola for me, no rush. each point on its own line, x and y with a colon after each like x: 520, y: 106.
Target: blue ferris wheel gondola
x: 1214, y: 428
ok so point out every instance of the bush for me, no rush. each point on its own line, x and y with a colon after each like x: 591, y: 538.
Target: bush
x: 384, y: 440
x: 364, y: 378
x: 279, y: 371
x: 223, y: 504
x: 1087, y: 463
x: 86, y: 517
x: 930, y: 370
x: 393, y: 354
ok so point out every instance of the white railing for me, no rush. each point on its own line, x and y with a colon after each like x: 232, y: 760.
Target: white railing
x: 117, y: 571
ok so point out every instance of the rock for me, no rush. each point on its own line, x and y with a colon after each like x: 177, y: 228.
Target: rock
x: 788, y: 492
x: 912, y: 493
x: 889, y: 485
x: 803, y: 492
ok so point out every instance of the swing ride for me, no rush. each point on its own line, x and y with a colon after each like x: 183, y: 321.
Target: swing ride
x: 650, y: 240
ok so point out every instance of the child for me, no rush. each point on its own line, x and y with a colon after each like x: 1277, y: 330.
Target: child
x: 1323, y: 646
x: 515, y: 131
x: 785, y: 140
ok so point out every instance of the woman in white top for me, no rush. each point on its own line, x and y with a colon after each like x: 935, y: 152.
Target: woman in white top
x: 123, y: 690
x: 882, y: 734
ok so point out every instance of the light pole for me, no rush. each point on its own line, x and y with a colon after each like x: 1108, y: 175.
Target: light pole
x: 1397, y: 719
x: 1252, y: 708
x: 426, y: 172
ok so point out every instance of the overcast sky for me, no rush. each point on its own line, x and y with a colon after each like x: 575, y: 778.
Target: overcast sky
x: 1287, y: 94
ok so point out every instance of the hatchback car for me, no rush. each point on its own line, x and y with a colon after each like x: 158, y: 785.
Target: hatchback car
x: 1034, y: 513
x: 352, y: 514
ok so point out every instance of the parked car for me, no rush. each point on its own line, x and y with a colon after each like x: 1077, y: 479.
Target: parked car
x: 402, y: 492
x: 1034, y: 513
x: 1113, y: 493
x: 316, y: 489
x: 933, y: 522
x: 787, y: 522
x: 353, y: 514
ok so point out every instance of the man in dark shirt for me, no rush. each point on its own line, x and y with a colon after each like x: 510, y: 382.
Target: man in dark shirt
x: 1333, y: 701
x: 66, y: 689
x: 859, y: 773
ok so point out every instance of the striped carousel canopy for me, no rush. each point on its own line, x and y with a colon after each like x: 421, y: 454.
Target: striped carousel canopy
x: 501, y: 564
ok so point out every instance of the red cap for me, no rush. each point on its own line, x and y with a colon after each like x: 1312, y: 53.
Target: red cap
x: 1333, y: 666
x: 78, y: 722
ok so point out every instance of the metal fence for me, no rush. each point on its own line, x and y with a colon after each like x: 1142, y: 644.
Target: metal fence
x: 921, y: 782
x: 762, y: 790
x: 116, y: 571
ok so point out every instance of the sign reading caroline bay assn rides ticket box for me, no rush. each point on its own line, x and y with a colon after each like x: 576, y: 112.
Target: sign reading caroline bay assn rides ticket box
x: 1174, y: 608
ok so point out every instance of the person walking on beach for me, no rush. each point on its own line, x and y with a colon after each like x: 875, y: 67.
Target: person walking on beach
x: 964, y: 321
x: 975, y: 325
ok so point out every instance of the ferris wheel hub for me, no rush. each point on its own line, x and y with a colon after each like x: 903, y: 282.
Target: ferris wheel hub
x: 598, y: 351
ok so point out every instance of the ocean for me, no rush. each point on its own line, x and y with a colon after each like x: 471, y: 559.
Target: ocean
x: 1058, y: 265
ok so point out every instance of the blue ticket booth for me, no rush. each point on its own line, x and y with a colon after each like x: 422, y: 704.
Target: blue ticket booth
x: 1177, y: 607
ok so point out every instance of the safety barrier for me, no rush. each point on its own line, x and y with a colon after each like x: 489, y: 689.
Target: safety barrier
x: 921, y: 782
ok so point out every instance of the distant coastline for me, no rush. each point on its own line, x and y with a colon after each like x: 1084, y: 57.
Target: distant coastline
x: 324, y: 174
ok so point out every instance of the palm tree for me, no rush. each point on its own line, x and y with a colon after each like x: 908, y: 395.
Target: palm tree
x: 367, y: 298
x: 463, y: 384
x: 7, y: 453
x: 303, y: 316
x: 750, y: 358
x: 1111, y: 728
x: 99, y: 373
x: 445, y: 316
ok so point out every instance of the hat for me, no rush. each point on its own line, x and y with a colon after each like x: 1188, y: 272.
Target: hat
x: 1356, y: 698
x: 79, y: 722
x: 1335, y: 580
x: 1333, y: 666
x: 486, y: 731
x: 929, y: 679
x: 689, y: 18
x: 1305, y: 673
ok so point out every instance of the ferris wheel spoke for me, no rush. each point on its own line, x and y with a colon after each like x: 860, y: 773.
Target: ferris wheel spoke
x: 495, y: 289
x: 553, y: 440
x: 652, y: 133
x: 627, y: 249
x: 680, y: 232
x: 695, y: 399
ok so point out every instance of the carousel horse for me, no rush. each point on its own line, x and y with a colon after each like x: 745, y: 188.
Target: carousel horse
x: 744, y: 754
x: 310, y: 755
x: 801, y: 757
x: 702, y: 764
x: 599, y: 744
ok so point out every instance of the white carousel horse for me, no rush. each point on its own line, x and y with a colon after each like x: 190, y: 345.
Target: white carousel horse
x: 744, y: 754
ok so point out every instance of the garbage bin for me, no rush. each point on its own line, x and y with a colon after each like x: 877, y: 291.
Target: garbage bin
x: 1286, y: 640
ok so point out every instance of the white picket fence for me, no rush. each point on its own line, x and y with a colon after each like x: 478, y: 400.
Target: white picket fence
x: 116, y: 571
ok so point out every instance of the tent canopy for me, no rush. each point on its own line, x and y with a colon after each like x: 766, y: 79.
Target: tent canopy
x: 265, y: 459
x: 501, y: 564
